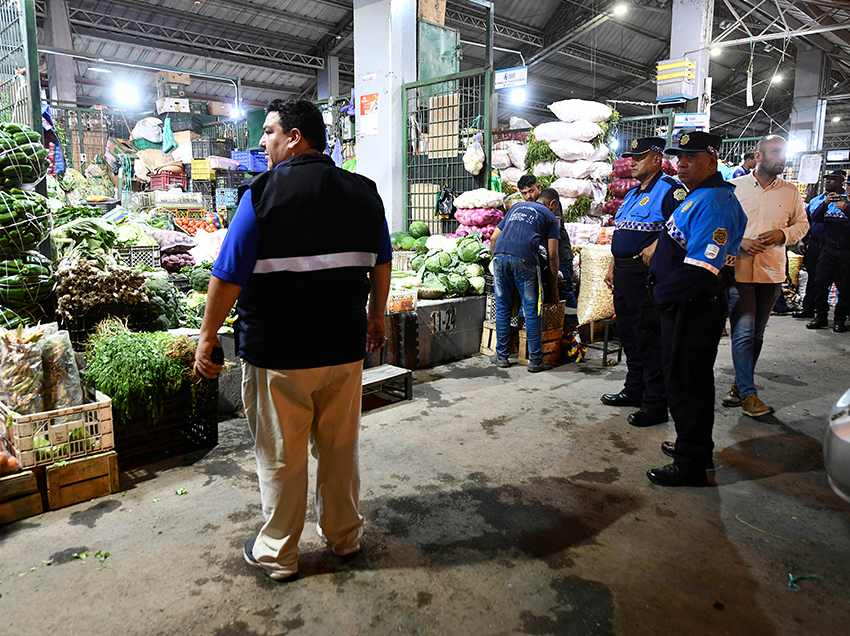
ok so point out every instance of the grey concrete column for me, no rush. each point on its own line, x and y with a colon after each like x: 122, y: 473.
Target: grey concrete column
x: 808, y: 112
x: 327, y: 80
x: 384, y: 59
x: 60, y: 68
x: 690, y: 37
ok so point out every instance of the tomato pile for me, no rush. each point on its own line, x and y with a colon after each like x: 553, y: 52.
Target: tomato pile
x: 193, y: 225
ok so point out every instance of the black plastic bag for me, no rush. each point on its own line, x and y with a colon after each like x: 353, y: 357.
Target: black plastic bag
x: 446, y: 204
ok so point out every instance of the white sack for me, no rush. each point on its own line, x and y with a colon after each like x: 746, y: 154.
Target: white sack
x: 517, y: 154
x: 601, y: 170
x: 572, y: 187
x: 573, y: 169
x: 580, y: 110
x: 544, y: 169
x: 571, y: 150
x: 601, y: 153
x: 511, y: 175
x: 595, y: 299
x: 558, y: 130
x: 500, y: 159
x: 519, y: 123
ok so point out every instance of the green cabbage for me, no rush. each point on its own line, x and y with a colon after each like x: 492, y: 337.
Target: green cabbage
x: 473, y: 270
x: 458, y: 284
x: 476, y: 285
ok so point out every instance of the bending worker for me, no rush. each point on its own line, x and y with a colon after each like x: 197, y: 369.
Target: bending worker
x: 639, y: 221
x: 690, y: 270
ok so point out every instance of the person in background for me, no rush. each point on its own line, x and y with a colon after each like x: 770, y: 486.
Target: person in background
x: 514, y: 246
x: 775, y: 218
x: 552, y: 200
x: 746, y: 166
x: 528, y: 187
x: 638, y: 223
x: 296, y: 283
x: 833, y: 183
x: 690, y: 270
x: 834, y: 261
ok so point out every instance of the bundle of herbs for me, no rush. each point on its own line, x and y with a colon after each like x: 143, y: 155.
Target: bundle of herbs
x: 538, y: 151
x: 137, y: 370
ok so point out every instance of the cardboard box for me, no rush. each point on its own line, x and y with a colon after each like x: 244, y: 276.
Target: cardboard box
x: 185, y: 136
x: 171, y: 105
x: 167, y: 90
x: 169, y: 77
x: 220, y: 109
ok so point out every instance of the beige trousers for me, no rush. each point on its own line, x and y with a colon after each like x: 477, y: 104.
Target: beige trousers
x: 286, y: 411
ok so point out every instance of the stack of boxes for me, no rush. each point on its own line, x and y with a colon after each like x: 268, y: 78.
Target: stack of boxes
x: 171, y: 92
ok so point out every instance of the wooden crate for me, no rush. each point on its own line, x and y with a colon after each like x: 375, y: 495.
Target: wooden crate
x: 551, y: 345
x: 488, y: 339
x: 82, y: 479
x: 592, y: 331
x: 19, y: 497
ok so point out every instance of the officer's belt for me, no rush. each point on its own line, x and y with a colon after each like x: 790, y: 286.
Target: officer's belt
x: 629, y: 262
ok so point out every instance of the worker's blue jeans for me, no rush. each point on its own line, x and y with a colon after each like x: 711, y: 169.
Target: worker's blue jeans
x: 750, y: 305
x: 516, y: 279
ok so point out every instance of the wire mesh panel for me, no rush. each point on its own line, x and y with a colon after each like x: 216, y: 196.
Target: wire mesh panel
x: 442, y: 118
x: 17, y: 102
x: 83, y: 132
x: 630, y: 128
x: 732, y: 150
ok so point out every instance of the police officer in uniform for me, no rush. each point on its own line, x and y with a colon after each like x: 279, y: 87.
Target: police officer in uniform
x: 690, y: 271
x: 834, y: 260
x: 832, y: 182
x: 639, y: 221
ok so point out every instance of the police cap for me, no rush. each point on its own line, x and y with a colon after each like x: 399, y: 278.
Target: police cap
x: 697, y: 141
x: 835, y: 174
x: 644, y: 145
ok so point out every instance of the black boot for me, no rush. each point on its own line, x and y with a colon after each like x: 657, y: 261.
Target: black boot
x: 838, y: 325
x: 820, y: 322
x: 804, y: 313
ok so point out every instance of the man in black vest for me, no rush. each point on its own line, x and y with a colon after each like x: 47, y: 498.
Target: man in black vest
x: 302, y: 330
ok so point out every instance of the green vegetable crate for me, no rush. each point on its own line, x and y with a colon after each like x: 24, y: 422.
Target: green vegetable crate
x: 62, y: 434
x: 189, y: 422
x: 135, y: 255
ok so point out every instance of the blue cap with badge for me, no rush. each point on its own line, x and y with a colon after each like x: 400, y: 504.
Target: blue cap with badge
x: 641, y: 146
x: 697, y: 141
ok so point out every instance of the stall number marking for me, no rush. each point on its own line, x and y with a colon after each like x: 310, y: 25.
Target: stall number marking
x: 443, y: 320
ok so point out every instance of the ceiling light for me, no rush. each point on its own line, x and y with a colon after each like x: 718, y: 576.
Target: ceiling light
x: 615, y: 144
x: 126, y: 95
x: 715, y: 52
x: 620, y: 9
x: 836, y: 118
x: 776, y: 79
x: 97, y: 69
x: 518, y: 95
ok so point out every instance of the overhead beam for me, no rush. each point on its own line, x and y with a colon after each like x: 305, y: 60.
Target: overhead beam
x: 576, y: 33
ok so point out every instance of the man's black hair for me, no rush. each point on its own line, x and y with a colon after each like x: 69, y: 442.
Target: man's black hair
x: 526, y: 181
x: 303, y: 115
x: 549, y: 194
x: 749, y: 155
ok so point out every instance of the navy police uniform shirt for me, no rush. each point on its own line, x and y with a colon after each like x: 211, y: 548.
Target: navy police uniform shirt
x: 701, y: 237
x: 836, y: 225
x: 525, y: 226
x: 643, y: 213
x: 815, y: 229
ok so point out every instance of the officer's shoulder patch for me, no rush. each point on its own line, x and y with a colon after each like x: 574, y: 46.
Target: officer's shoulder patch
x: 687, y: 206
x: 644, y: 201
x: 711, y: 251
x: 679, y: 194
x: 720, y: 236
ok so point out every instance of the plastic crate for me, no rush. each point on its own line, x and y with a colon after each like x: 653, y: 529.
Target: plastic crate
x: 226, y: 179
x: 251, y: 160
x: 181, y: 283
x: 188, y: 213
x: 226, y: 197
x: 201, y: 170
x: 61, y: 434
x: 189, y: 422
x: 105, y: 206
x: 143, y: 144
x: 516, y: 321
x: 136, y: 255
x: 167, y: 180
x: 222, y: 163
x: 204, y: 186
x: 83, y: 324
x: 203, y: 148
x: 184, y: 121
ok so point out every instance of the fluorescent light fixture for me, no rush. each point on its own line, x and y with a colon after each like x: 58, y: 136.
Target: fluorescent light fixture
x: 836, y: 118
x: 776, y: 79
x: 518, y: 95
x: 716, y: 51
x: 97, y: 69
x: 615, y: 144
x: 127, y: 95
x: 795, y: 146
x: 621, y: 9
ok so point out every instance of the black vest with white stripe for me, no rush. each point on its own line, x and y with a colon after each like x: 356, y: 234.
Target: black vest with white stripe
x: 304, y: 305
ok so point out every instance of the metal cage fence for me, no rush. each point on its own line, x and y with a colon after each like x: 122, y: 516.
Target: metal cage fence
x: 732, y: 150
x: 442, y: 117
x: 19, y: 102
x: 83, y: 132
x: 630, y: 128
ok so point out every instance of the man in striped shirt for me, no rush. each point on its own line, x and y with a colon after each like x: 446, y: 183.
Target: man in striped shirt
x: 307, y: 244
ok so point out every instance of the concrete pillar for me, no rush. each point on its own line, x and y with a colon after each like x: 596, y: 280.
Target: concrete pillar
x: 384, y: 59
x: 60, y: 68
x: 808, y: 111
x: 690, y: 37
x: 327, y: 80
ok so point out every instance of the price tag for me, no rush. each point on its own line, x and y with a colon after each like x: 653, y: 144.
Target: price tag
x: 443, y: 320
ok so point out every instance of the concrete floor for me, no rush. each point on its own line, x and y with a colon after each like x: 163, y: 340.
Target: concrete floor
x: 497, y: 502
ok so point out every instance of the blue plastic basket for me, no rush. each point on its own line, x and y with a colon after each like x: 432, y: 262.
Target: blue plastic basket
x: 250, y: 160
x: 225, y: 197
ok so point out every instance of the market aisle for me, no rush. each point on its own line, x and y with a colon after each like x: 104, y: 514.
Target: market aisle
x: 497, y: 502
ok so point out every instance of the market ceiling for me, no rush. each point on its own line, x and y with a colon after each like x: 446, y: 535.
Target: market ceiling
x: 574, y: 48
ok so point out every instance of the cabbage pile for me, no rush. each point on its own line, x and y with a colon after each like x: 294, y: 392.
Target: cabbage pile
x: 448, y: 267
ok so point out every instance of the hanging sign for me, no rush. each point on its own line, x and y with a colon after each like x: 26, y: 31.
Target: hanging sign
x: 511, y: 77
x: 810, y: 169
x: 368, y: 114
x: 690, y: 121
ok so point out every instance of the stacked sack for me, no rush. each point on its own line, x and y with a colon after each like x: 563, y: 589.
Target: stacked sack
x: 620, y: 185
x: 478, y: 211
x: 573, y: 154
x: 509, y: 158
